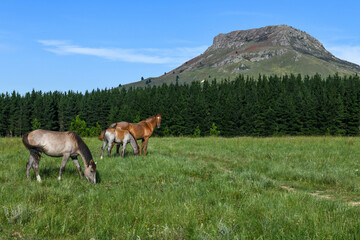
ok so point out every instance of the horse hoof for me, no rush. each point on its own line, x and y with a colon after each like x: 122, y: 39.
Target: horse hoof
x: 38, y: 178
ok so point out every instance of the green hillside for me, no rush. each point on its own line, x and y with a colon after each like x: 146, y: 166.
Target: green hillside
x: 270, y: 50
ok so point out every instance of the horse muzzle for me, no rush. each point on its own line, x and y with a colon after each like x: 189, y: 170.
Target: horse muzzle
x: 91, y: 180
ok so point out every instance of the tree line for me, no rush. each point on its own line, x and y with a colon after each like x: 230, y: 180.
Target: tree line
x: 265, y: 106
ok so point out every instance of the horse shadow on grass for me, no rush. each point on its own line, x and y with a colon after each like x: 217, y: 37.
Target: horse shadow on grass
x: 50, y: 172
x: 98, y: 177
x: 53, y: 172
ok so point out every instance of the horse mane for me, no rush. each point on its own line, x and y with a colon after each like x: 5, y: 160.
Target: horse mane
x: 84, y: 149
x: 151, y: 117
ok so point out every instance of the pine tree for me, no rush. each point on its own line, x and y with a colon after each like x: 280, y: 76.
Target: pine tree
x: 6, y: 114
x: 351, y: 105
x: 250, y: 111
x: 308, y: 109
x: 15, y: 123
x: 50, y: 113
x: 288, y: 105
x: 26, y: 108
x: 3, y: 124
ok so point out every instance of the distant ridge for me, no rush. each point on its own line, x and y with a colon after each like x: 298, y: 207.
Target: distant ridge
x: 270, y: 50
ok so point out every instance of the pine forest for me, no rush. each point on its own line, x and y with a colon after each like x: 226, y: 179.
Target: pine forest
x: 266, y: 106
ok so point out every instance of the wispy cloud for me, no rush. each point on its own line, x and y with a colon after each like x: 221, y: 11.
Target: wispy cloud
x: 145, y: 55
x: 345, y: 52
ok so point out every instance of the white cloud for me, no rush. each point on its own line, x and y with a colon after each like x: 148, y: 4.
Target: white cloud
x: 348, y: 53
x: 146, y: 55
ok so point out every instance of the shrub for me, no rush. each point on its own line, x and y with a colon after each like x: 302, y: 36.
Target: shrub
x: 197, y: 131
x: 214, y: 131
x: 35, y: 124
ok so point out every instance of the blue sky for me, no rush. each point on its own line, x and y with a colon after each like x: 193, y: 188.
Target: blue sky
x: 85, y: 45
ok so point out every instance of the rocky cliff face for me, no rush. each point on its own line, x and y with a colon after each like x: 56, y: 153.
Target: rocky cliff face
x: 281, y: 35
x: 278, y: 49
x: 259, y: 44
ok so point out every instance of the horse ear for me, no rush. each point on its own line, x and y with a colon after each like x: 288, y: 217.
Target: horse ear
x: 91, y: 162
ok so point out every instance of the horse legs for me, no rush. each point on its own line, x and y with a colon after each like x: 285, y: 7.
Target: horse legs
x: 123, y: 149
x: 29, y: 164
x: 34, y: 163
x: 78, y: 167
x: 36, y: 169
x: 117, y: 150
x: 63, y: 164
x: 134, y: 145
x: 145, y: 145
x: 142, y: 146
x: 128, y: 138
x: 137, y: 145
x: 110, y: 146
x: 103, y: 147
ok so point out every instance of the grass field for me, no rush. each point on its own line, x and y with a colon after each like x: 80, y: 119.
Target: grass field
x: 189, y: 188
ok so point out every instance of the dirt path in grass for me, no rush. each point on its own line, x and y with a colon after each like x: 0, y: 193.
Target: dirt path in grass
x: 325, y: 194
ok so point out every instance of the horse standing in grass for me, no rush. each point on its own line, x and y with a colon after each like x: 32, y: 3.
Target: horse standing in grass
x: 142, y: 130
x: 115, y: 135
x: 57, y: 144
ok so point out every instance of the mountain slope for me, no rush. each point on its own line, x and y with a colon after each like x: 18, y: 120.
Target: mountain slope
x: 278, y: 49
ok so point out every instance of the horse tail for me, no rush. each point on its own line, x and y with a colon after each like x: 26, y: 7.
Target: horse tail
x: 101, y: 137
x: 26, y: 141
x: 34, y: 150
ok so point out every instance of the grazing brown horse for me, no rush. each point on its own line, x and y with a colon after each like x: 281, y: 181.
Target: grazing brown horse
x: 142, y: 130
x: 116, y: 135
x: 56, y: 144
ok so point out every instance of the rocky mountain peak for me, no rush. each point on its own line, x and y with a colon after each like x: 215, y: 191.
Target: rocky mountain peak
x: 277, y: 35
x: 278, y: 49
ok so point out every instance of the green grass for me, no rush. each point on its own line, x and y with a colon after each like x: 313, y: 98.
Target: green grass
x: 189, y: 188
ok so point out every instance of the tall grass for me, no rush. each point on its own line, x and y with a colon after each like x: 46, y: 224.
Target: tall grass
x: 189, y: 188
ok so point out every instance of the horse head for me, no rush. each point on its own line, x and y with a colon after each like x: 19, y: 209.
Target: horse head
x: 90, y: 171
x: 158, y: 119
